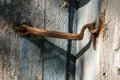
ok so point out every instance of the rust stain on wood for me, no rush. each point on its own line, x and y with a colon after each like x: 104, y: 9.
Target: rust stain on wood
x: 64, y: 4
x: 37, y: 75
x: 102, y: 28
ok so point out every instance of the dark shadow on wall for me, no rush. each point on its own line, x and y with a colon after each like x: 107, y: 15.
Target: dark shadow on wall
x: 49, y: 47
x: 77, y: 3
x: 40, y: 41
x: 73, y: 6
x: 81, y: 60
x: 83, y: 3
x: 81, y: 52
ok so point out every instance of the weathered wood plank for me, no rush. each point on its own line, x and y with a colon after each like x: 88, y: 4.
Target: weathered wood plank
x: 23, y: 60
x: 27, y: 53
x: 55, y: 61
x: 109, y: 47
x: 56, y: 19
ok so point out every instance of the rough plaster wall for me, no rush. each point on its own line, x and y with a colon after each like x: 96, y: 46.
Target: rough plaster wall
x: 27, y: 58
x: 87, y: 59
x: 110, y: 42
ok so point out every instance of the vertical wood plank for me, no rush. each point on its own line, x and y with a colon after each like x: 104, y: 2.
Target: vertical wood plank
x: 55, y: 58
x: 26, y: 53
x: 56, y: 19
x: 110, y: 42
x: 21, y: 57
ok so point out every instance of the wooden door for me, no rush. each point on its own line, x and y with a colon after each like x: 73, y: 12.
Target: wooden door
x: 33, y: 57
x: 43, y: 58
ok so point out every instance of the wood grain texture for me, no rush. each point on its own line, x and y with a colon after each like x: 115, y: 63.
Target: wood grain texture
x: 109, y: 47
x: 57, y: 20
x: 25, y: 58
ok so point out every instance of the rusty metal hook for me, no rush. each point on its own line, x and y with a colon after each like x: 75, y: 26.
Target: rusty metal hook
x: 25, y: 30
